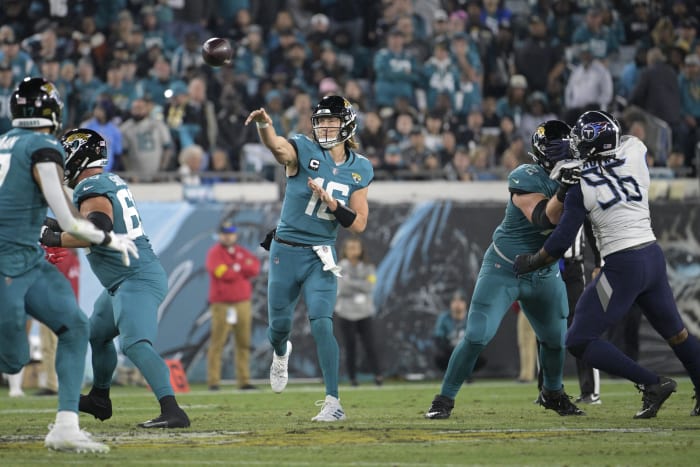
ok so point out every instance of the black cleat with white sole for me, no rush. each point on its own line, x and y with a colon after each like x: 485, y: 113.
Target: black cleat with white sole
x: 441, y: 408
x: 176, y: 419
x: 654, y: 395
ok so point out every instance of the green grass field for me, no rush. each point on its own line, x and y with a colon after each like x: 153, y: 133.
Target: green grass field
x: 493, y: 423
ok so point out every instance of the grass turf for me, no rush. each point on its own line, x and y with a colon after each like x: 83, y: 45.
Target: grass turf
x: 493, y: 423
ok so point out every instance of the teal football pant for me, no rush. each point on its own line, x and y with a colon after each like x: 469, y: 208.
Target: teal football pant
x: 293, y: 271
x: 46, y: 295
x: 542, y: 296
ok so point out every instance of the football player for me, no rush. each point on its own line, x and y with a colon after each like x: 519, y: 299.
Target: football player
x: 535, y: 204
x: 128, y: 306
x: 31, y: 159
x: 614, y: 192
x: 327, y: 185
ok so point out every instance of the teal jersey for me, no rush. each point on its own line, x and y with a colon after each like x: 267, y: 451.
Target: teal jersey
x: 22, y: 204
x: 104, y: 262
x: 304, y: 218
x: 516, y: 235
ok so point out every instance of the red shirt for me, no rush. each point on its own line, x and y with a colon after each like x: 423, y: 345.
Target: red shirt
x: 70, y: 267
x: 230, y: 270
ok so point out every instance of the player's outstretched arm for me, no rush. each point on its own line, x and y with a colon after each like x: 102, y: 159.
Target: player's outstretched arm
x: 283, y: 151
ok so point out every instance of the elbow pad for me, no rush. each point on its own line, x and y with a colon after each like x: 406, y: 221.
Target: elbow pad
x: 539, y: 216
x: 100, y: 220
x: 344, y: 215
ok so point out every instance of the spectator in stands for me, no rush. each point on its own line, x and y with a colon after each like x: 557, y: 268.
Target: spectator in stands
x: 440, y: 24
x: 399, y: 134
x: 393, y: 162
x: 689, y: 82
x: 251, y: 62
x: 420, y: 159
x: 590, y: 83
x: 353, y: 55
x: 639, y: 23
x: 148, y: 147
x: 458, y: 168
x: 440, y: 73
x: 536, y: 112
x: 7, y: 87
x: 513, y: 103
x: 601, y: 40
x: 481, y: 163
x: 372, y: 134
x: 10, y: 52
x: 153, y: 30
x: 540, y: 59
x: 187, y: 55
x: 200, y: 113
x: 415, y: 44
x: 664, y: 34
x: 494, y: 14
x: 562, y: 24
x: 319, y: 33
x: 480, y: 35
x: 51, y: 71
x: 499, y: 61
x: 611, y: 19
x: 396, y: 72
x: 160, y: 79
x: 329, y: 67
x: 631, y: 71
x: 467, y: 57
x: 119, y: 92
x: 658, y: 92
x: 102, y: 121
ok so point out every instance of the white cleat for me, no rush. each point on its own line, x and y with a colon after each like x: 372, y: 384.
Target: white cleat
x: 70, y: 438
x: 331, y: 411
x: 278, y: 370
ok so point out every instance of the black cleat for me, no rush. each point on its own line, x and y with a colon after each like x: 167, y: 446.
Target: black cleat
x: 176, y: 419
x: 440, y: 408
x: 591, y: 399
x: 696, y: 410
x: 654, y: 395
x: 558, y: 401
x: 100, y: 407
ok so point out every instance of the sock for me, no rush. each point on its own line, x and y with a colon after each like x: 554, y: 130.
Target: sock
x: 328, y: 353
x: 461, y: 366
x: 168, y: 404
x: 66, y: 417
x: 15, y: 382
x: 688, y: 353
x: 104, y: 362
x: 99, y: 392
x: 552, y: 361
x: 278, y: 338
x: 606, y: 357
x: 152, y: 367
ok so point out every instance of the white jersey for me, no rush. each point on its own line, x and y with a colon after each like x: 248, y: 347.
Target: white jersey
x: 616, y: 196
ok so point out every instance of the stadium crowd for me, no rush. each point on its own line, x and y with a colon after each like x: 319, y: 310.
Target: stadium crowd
x: 447, y: 89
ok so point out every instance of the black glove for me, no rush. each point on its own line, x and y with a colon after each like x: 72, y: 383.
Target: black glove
x: 49, y: 237
x: 525, y: 264
x: 52, y: 224
x: 570, y: 176
x: 268, y: 239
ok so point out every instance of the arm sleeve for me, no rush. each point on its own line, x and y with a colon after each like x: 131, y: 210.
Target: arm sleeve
x: 56, y: 198
x: 571, y: 220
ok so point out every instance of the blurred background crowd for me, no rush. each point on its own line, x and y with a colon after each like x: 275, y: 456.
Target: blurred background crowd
x: 444, y: 89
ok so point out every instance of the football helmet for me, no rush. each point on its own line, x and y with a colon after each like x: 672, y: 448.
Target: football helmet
x: 36, y: 104
x: 596, y: 134
x: 334, y: 106
x: 85, y: 149
x: 551, y: 144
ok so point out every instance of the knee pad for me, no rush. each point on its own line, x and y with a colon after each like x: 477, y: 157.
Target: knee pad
x: 321, y: 327
x: 578, y: 350
x: 280, y: 325
x: 477, y: 331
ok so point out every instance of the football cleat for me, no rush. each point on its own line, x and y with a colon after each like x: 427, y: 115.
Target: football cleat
x: 558, y: 401
x: 590, y: 399
x: 176, y: 419
x: 278, y: 370
x: 696, y: 410
x: 70, y: 438
x: 440, y: 408
x: 654, y: 395
x: 331, y: 411
x: 99, y: 407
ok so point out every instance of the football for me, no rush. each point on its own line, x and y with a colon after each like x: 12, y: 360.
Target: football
x: 217, y: 52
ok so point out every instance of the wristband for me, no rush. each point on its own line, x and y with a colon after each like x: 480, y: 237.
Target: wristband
x: 561, y: 192
x: 344, y: 215
x: 262, y: 125
x: 107, y: 240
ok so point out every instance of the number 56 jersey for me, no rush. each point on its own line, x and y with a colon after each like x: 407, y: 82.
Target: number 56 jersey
x: 616, y: 197
x: 105, y: 263
x: 305, y: 219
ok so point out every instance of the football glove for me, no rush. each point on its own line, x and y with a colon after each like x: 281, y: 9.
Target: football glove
x: 123, y: 244
x: 567, y: 172
x: 52, y: 224
x: 525, y: 264
x: 55, y: 255
x: 49, y: 237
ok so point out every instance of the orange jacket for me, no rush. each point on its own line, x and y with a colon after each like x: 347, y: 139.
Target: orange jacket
x: 230, y: 270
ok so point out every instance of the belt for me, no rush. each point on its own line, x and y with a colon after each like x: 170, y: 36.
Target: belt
x: 291, y: 243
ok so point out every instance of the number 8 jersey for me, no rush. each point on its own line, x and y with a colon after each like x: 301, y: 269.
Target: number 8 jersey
x: 616, y: 197
x: 105, y: 263
x: 305, y: 219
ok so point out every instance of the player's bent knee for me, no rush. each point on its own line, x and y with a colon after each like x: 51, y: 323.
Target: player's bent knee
x: 577, y: 350
x: 280, y: 325
x: 679, y: 338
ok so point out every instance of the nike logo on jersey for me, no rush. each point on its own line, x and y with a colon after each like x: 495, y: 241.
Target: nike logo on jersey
x: 515, y: 180
x: 87, y: 187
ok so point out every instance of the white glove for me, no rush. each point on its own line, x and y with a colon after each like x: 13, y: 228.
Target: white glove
x: 567, y: 172
x: 326, y: 255
x: 123, y: 244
